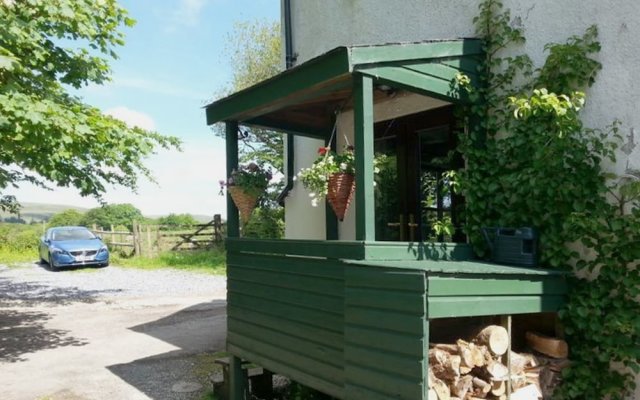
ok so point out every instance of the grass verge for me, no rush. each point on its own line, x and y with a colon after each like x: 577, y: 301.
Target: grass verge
x: 13, y: 257
x: 205, y: 261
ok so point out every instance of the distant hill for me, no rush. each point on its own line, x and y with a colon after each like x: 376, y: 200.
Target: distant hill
x: 36, y: 212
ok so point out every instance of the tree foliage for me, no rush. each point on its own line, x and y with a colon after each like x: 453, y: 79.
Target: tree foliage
x: 177, y: 220
x: 113, y: 215
x: 68, y: 217
x: 254, y: 51
x: 532, y: 162
x: 47, y: 135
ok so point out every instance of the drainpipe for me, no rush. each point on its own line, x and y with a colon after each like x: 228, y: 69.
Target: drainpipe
x: 290, y: 59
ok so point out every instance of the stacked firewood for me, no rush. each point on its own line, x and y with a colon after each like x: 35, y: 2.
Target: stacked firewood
x: 478, y: 369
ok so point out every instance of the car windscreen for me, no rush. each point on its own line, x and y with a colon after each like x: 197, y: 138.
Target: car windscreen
x: 72, y: 234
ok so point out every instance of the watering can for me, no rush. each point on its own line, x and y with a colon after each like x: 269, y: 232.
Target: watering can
x: 513, y: 246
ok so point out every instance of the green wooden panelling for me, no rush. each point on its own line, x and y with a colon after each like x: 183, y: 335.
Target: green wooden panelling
x: 311, y: 248
x: 292, y: 266
x: 269, y: 358
x: 231, y: 139
x: 414, y: 51
x: 287, y: 314
x: 294, y: 343
x: 385, y: 342
x: 417, y: 251
x: 280, y: 89
x: 465, y: 306
x: 363, y: 138
x: 479, y: 285
x: 384, y: 279
x: 395, y: 301
x: 312, y: 300
x: 321, y: 337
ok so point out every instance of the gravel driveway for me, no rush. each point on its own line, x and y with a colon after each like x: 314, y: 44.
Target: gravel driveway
x: 109, y: 333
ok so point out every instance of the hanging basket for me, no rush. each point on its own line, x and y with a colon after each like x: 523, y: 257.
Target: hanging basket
x: 340, y: 192
x: 245, y: 202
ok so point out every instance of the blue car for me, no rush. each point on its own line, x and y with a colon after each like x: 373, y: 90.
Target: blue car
x: 68, y: 246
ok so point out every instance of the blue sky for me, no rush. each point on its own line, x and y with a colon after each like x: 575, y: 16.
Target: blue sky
x: 173, y: 62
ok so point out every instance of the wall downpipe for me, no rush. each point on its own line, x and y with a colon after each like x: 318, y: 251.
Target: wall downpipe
x: 290, y: 59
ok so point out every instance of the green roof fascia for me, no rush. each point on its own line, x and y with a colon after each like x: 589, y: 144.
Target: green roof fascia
x: 316, y: 71
x: 277, y: 92
x: 385, y: 53
x: 289, y: 128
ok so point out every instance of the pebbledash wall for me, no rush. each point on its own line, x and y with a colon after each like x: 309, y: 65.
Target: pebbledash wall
x: 321, y: 25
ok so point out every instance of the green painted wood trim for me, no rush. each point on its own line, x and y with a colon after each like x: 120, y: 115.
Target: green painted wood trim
x: 280, y: 89
x: 231, y: 140
x: 287, y: 127
x: 438, y: 70
x: 308, y: 377
x: 417, y: 82
x: 363, y: 138
x: 484, y: 285
x: 417, y: 251
x: 447, y: 307
x: 312, y: 248
x: 238, y: 377
x: 414, y: 51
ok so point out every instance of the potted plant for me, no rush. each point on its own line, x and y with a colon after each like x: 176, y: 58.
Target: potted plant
x: 332, y: 175
x: 245, y: 185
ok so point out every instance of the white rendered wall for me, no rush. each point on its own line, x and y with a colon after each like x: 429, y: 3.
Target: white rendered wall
x: 321, y: 25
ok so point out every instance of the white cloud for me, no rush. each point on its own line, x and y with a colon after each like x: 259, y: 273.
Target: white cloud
x: 189, y: 11
x: 187, y: 182
x: 132, y: 117
x: 186, y: 14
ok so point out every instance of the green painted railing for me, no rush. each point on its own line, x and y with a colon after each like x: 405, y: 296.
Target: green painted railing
x: 352, y: 250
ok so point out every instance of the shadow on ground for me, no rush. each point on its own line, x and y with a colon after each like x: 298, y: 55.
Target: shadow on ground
x: 40, y: 294
x: 182, y: 374
x: 25, y: 332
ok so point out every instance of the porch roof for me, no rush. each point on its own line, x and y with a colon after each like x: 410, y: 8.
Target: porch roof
x: 303, y: 100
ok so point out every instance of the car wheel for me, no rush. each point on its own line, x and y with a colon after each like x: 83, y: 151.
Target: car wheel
x: 52, y: 265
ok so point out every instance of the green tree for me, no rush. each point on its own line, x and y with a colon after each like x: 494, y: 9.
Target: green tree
x: 68, y: 217
x: 177, y: 220
x: 112, y: 214
x: 254, y: 51
x: 47, y: 135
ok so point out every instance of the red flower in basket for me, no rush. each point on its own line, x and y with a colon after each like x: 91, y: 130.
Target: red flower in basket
x: 323, y: 150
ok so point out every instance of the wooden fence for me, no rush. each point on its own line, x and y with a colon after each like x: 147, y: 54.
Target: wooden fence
x: 148, y: 240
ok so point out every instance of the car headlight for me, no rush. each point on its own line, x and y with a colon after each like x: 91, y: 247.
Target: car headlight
x: 103, y: 248
x: 55, y: 250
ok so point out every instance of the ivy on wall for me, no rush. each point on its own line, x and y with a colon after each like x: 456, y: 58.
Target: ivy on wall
x: 532, y: 162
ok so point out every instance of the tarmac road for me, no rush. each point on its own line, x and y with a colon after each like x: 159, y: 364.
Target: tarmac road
x: 99, y: 334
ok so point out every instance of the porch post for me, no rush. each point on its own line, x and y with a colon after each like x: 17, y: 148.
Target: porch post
x: 363, y: 133
x: 231, y: 136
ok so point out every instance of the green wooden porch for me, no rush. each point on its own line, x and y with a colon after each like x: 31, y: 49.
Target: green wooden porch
x: 352, y: 318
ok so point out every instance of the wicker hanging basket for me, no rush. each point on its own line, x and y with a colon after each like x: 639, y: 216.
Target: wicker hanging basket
x: 245, y: 202
x: 340, y: 192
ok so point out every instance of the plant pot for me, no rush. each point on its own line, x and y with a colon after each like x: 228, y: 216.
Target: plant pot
x: 245, y: 202
x: 340, y: 192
